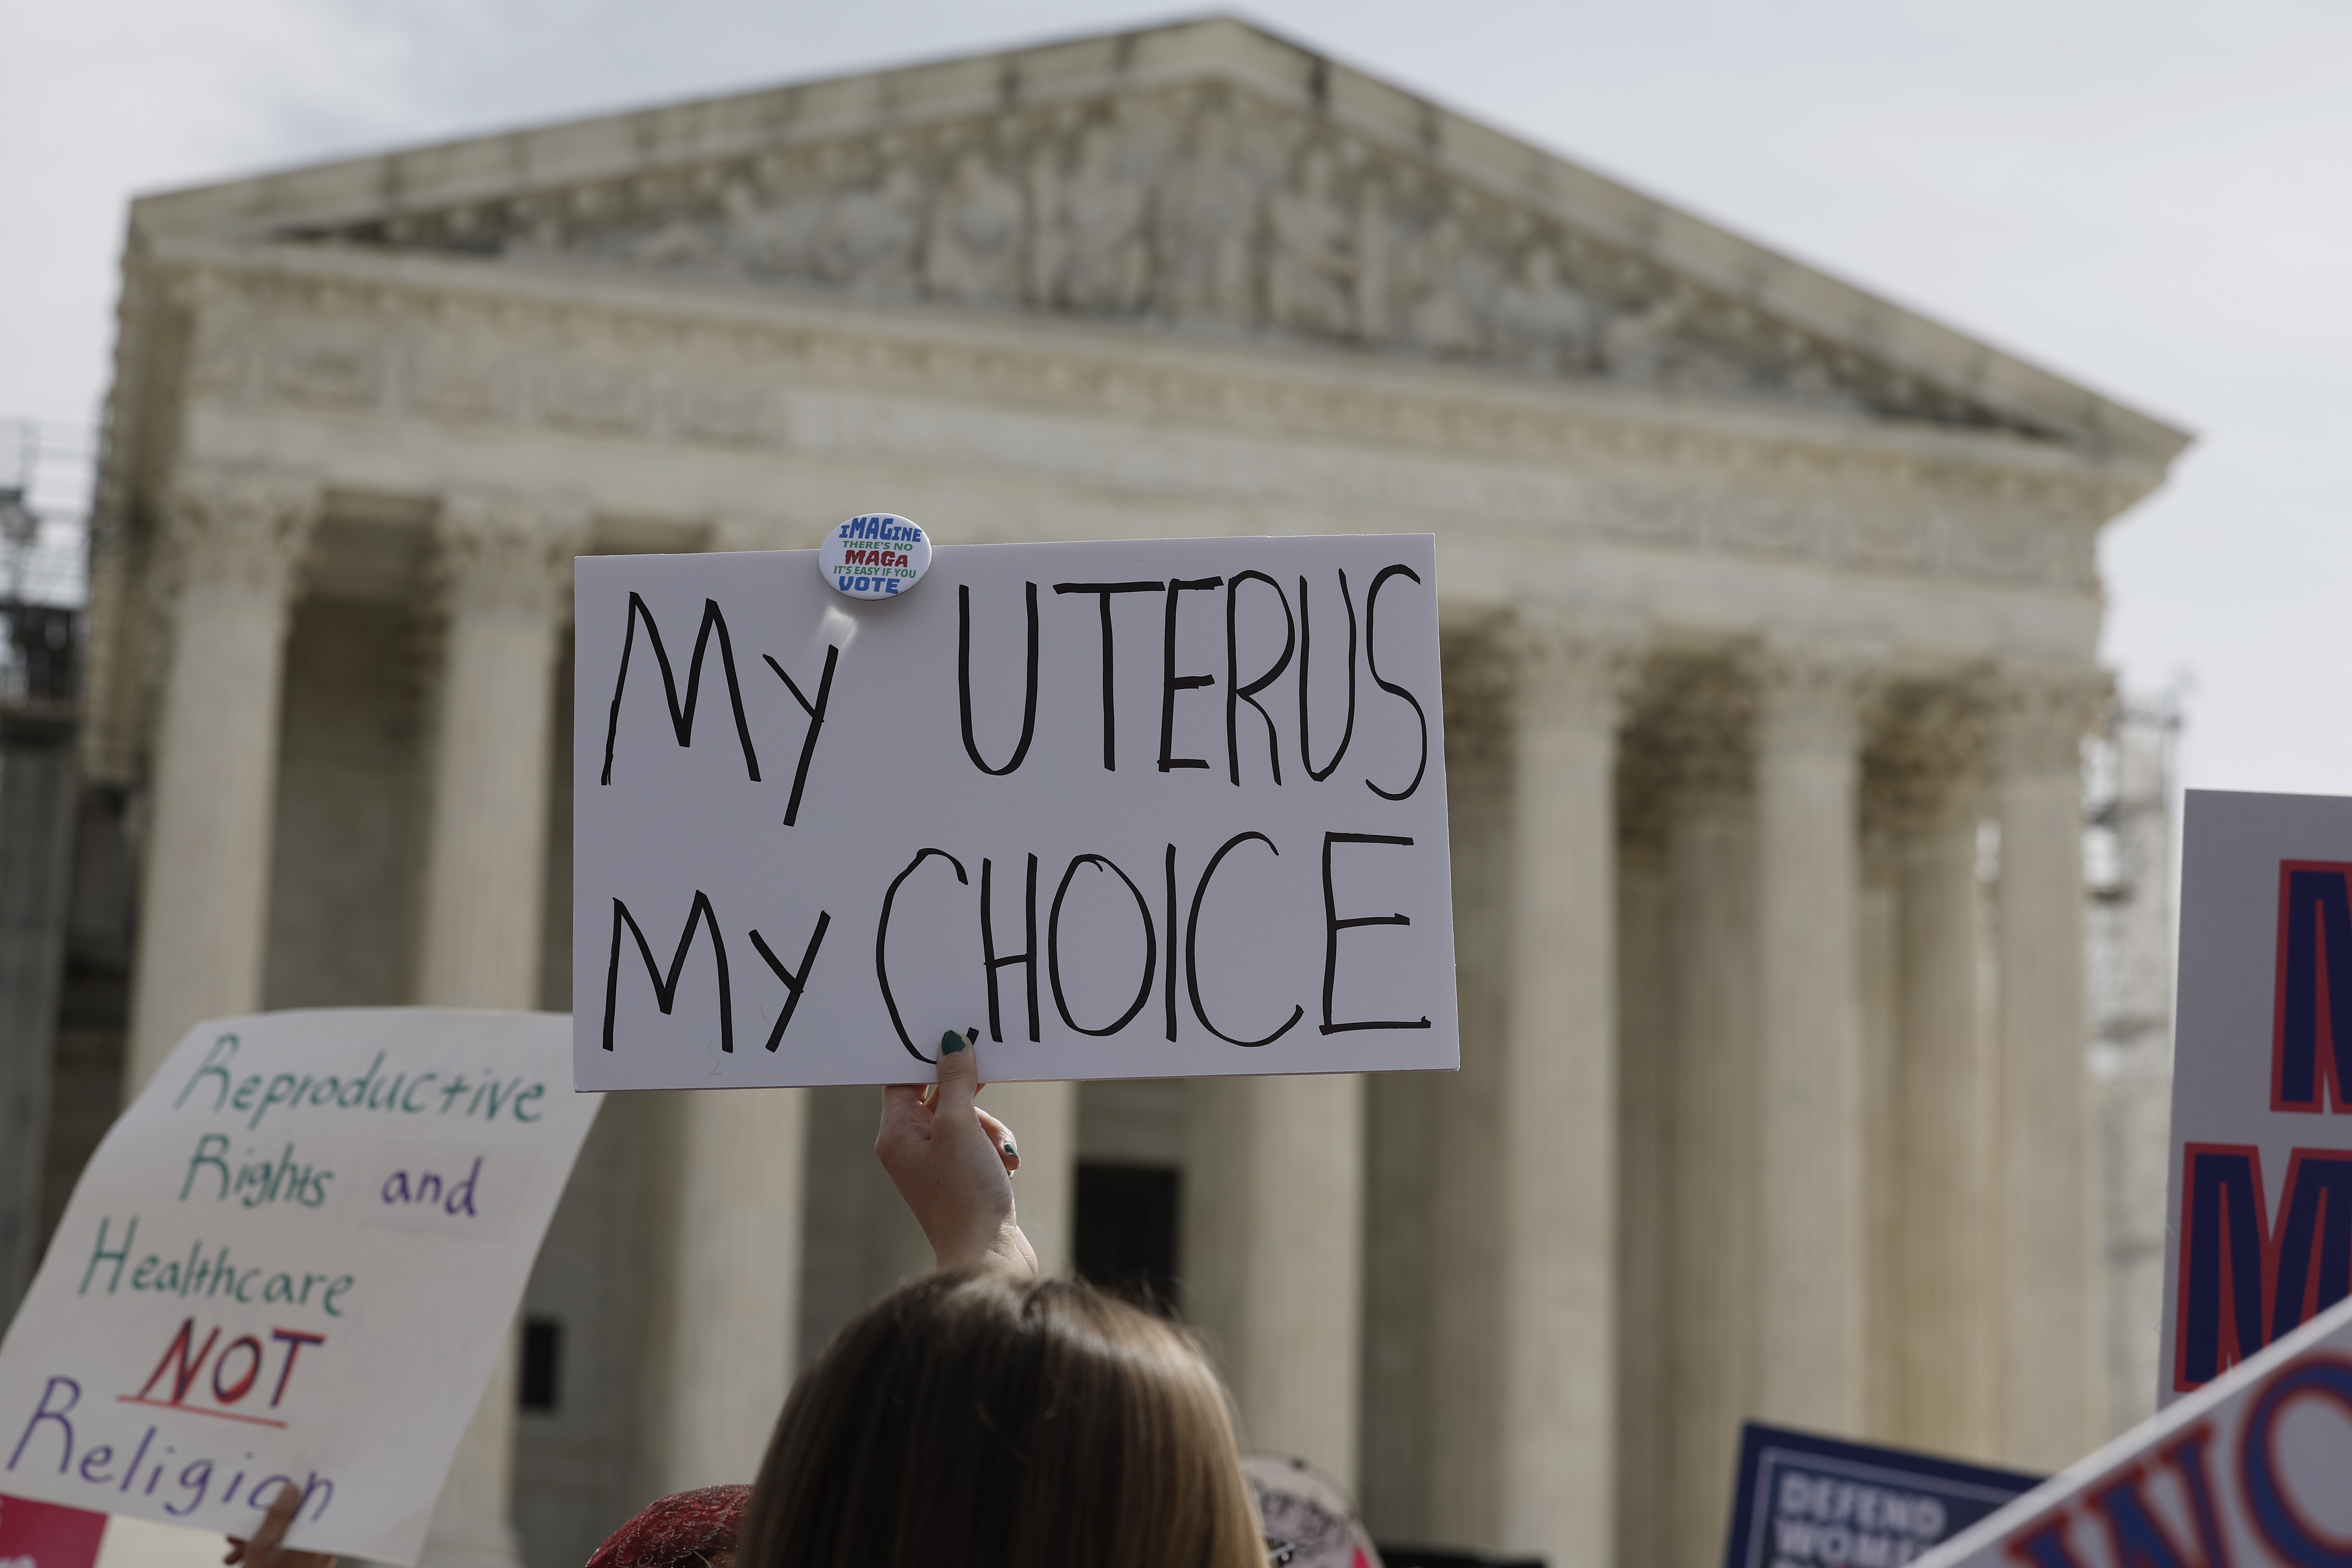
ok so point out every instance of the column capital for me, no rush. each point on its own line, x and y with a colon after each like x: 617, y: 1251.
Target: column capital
x: 239, y: 527
x: 500, y: 552
x: 2041, y: 713
x: 1928, y: 762
x: 1703, y: 728
x: 1809, y: 697
x: 1570, y: 665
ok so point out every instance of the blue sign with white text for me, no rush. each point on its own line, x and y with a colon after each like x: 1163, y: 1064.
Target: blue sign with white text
x: 1804, y: 1502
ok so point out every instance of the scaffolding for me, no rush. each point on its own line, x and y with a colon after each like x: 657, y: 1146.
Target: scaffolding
x: 45, y: 484
x: 45, y: 470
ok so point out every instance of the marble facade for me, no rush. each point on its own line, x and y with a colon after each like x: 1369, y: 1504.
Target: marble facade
x: 1768, y: 605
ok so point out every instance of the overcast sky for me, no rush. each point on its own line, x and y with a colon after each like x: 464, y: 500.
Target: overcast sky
x: 2150, y: 197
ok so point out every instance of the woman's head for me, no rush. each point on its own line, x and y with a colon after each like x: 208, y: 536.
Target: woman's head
x: 971, y: 1422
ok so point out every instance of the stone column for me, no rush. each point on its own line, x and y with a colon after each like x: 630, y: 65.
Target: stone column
x: 1045, y: 1121
x: 1464, y: 1372
x: 1813, y: 1219
x: 1945, y: 1290
x: 1712, y: 1119
x: 1274, y: 1250
x: 2052, y: 1395
x: 1557, y: 1296
x: 503, y: 566
x: 723, y: 1341
x: 1646, y: 972
x: 471, y: 1526
x: 233, y: 544
x: 1878, y: 991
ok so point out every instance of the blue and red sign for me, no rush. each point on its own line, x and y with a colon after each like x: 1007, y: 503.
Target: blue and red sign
x: 2263, y: 1220
x: 1807, y: 1501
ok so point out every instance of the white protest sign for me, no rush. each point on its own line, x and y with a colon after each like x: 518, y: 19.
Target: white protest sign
x: 294, y: 1257
x: 1132, y: 809
x: 2260, y: 1232
x: 2253, y: 1471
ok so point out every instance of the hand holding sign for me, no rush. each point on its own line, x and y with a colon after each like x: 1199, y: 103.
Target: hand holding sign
x: 267, y: 1549
x: 953, y: 1163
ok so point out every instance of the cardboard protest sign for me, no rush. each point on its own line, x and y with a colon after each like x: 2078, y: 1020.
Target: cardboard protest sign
x: 2259, y: 1238
x: 2254, y: 1470
x: 1133, y: 809
x: 294, y: 1257
x: 1802, y: 1500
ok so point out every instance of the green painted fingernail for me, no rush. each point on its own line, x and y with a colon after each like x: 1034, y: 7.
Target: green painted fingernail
x: 1009, y: 1149
x: 952, y: 1042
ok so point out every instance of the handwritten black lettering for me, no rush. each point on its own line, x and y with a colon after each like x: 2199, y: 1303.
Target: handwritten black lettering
x: 988, y: 952
x: 963, y: 686
x: 1235, y: 692
x: 1103, y: 591
x: 815, y: 711
x: 1305, y: 663
x: 1054, y: 945
x: 1192, y: 945
x: 1371, y: 662
x: 665, y: 987
x: 681, y: 720
x: 1169, y: 988
x: 882, y: 940
x: 1172, y: 683
x: 795, y: 984
x: 1333, y: 925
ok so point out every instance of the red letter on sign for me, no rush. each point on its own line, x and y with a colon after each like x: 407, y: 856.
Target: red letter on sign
x: 2311, y: 1028
x: 185, y: 1373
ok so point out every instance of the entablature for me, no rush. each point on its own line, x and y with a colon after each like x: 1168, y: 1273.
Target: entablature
x: 556, y: 355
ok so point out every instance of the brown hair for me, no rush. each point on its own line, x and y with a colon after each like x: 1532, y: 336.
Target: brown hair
x: 969, y: 1422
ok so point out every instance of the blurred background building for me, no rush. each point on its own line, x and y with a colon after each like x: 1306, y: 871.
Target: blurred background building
x: 1770, y: 615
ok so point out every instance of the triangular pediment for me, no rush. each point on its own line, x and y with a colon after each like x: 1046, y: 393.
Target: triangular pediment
x: 1203, y: 177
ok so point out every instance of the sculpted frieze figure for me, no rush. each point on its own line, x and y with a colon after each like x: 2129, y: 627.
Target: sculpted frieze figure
x: 1635, y: 344
x: 1207, y: 219
x: 1658, y: 344
x: 1311, y: 270
x: 973, y: 253
x: 1439, y: 270
x: 1375, y: 258
x: 765, y: 237
x: 869, y: 239
x: 1539, y: 321
x: 1200, y: 205
x: 1093, y: 251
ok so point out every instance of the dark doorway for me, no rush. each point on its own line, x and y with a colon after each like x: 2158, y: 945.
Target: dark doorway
x: 543, y: 1364
x: 1125, y: 1233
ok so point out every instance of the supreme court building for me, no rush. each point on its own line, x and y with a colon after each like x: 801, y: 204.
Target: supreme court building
x: 1771, y: 612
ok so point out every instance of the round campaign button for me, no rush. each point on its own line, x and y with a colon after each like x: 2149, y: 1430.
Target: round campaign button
x: 874, y: 556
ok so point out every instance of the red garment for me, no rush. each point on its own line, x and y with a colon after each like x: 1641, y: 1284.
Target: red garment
x: 686, y: 1530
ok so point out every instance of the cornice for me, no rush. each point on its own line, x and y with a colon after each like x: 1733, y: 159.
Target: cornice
x: 616, y: 154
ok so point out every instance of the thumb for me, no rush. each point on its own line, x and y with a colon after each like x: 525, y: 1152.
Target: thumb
x: 958, y: 1072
